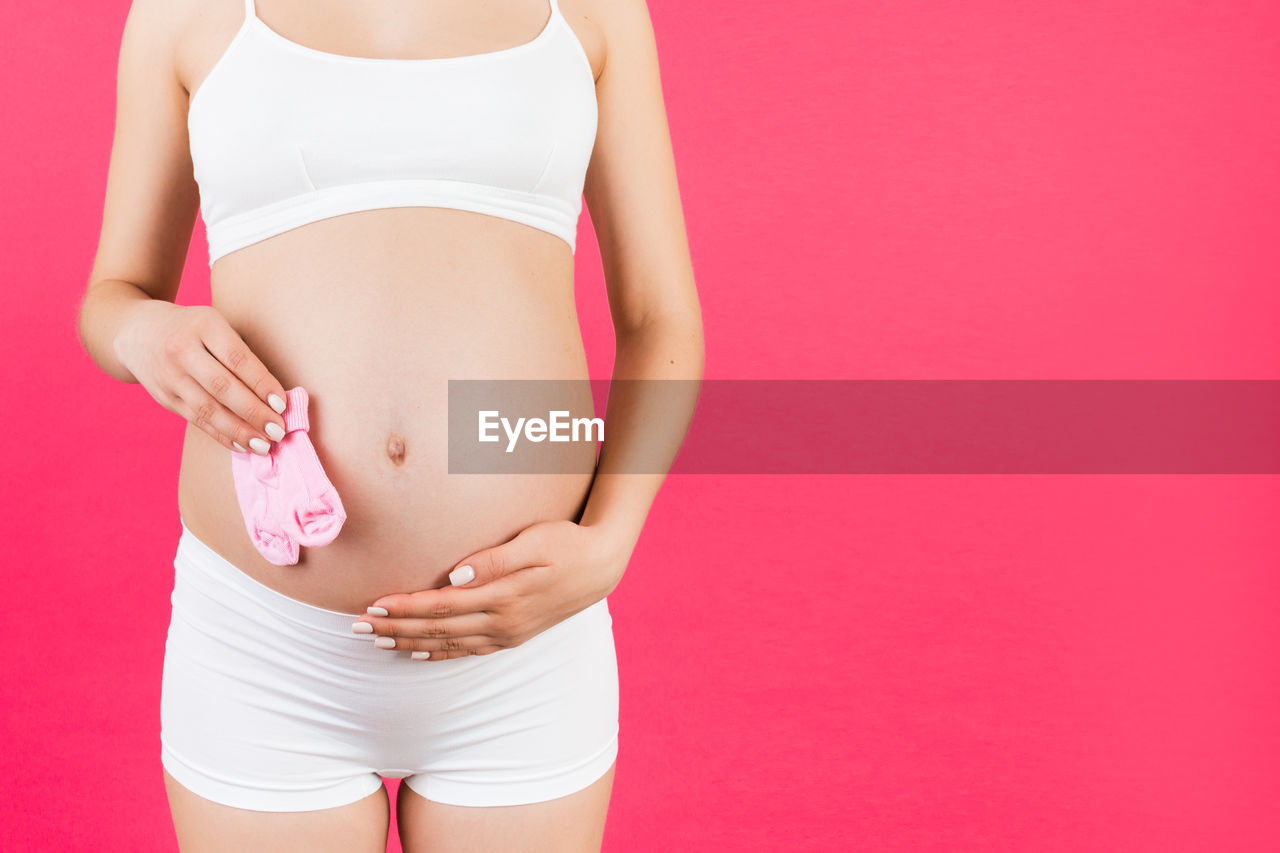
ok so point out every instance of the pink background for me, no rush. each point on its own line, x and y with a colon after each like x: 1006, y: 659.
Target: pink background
x: 893, y: 190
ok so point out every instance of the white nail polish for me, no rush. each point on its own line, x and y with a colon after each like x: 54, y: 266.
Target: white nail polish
x: 276, y: 402
x: 237, y: 446
x: 377, y: 611
x: 421, y: 655
x: 461, y: 575
x: 361, y: 628
x: 385, y: 642
x: 259, y: 446
x: 274, y: 430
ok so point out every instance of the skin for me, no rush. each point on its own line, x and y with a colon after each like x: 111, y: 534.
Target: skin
x: 373, y: 312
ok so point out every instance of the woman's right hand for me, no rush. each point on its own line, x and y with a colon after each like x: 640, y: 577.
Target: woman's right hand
x: 196, y: 365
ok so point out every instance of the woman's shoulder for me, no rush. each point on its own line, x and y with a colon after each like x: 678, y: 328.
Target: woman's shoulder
x: 606, y: 27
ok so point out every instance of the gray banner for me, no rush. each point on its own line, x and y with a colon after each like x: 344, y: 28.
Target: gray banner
x: 876, y: 426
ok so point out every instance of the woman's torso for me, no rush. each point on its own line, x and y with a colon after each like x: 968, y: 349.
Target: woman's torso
x: 373, y: 312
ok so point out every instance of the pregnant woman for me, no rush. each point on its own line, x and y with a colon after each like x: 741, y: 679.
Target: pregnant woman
x: 391, y: 192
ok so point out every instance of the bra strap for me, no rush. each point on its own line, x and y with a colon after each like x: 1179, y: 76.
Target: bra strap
x: 249, y: 10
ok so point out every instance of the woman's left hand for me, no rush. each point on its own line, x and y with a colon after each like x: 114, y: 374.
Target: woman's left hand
x: 545, y: 574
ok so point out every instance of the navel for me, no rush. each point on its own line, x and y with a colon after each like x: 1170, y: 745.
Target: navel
x: 396, y: 449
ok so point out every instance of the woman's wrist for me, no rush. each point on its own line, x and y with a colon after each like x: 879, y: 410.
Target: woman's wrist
x: 614, y: 536
x: 130, y: 313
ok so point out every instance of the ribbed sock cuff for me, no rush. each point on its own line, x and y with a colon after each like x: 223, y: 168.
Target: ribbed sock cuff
x: 295, y: 410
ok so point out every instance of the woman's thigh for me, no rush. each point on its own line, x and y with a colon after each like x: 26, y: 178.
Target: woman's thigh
x: 203, y: 826
x: 570, y: 824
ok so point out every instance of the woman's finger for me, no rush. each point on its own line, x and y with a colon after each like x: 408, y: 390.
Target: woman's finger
x: 199, y: 407
x: 430, y: 629
x: 524, y: 550
x: 462, y: 646
x: 265, y: 398
x: 456, y: 654
x: 229, y: 389
x: 443, y: 602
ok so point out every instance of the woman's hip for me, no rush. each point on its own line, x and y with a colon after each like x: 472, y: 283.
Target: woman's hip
x: 257, y: 684
x: 234, y: 639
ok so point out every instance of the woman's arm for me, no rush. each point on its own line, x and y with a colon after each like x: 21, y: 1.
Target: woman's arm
x: 151, y: 196
x: 189, y: 358
x: 632, y: 193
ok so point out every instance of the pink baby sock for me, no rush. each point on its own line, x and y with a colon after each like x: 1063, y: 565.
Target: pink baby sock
x: 285, y: 496
x: 308, y: 508
x: 256, y: 477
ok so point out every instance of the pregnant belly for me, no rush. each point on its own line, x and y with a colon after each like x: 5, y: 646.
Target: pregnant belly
x: 374, y: 332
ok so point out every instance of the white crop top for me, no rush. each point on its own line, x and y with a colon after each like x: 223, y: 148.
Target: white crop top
x: 283, y: 134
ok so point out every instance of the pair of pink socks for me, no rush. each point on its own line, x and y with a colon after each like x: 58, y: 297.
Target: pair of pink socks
x: 285, y: 496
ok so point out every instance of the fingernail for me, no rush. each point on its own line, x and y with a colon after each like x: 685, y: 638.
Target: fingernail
x: 276, y: 402
x: 461, y: 575
x: 361, y: 628
x: 237, y: 446
x: 274, y: 430
x: 259, y: 445
x: 420, y: 655
x: 377, y: 611
x: 385, y: 642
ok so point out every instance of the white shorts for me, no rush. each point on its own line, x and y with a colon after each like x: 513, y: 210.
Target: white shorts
x: 272, y: 704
